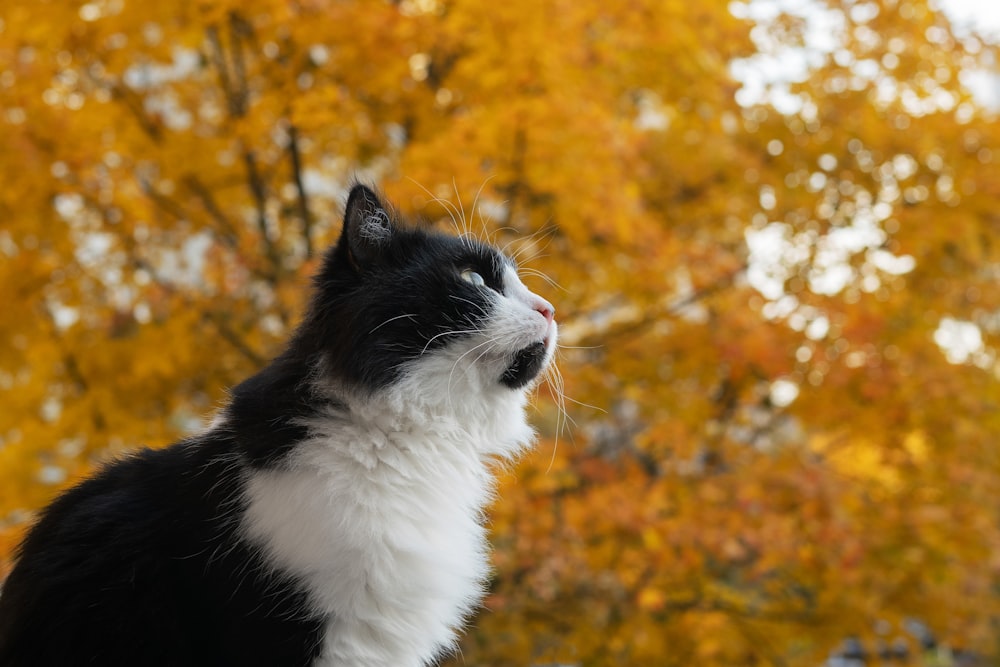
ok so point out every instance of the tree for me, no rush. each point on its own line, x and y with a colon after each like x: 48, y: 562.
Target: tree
x: 776, y: 309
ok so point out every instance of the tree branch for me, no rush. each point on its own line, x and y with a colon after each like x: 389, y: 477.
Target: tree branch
x: 229, y: 234
x: 625, y: 318
x: 296, y: 157
x: 134, y: 105
x: 256, y: 184
x: 212, y: 317
x: 234, y: 339
x: 724, y: 281
x: 238, y: 29
x: 218, y: 57
x: 165, y: 204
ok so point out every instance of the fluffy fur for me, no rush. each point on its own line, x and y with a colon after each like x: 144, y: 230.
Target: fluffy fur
x: 332, y: 514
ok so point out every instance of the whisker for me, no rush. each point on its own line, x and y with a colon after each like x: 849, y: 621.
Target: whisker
x: 466, y: 229
x: 391, y: 319
x: 475, y: 206
x: 446, y: 333
x: 539, y: 274
x: 453, y: 211
x: 554, y: 379
x: 526, y: 243
x: 470, y: 302
x: 492, y: 342
x: 585, y: 405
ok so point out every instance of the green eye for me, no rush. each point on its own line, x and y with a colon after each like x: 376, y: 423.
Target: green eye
x: 471, y: 276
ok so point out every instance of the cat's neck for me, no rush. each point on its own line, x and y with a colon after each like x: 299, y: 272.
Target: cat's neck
x: 490, y: 426
x: 292, y: 396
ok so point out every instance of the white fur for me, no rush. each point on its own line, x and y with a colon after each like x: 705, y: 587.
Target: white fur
x: 379, y: 512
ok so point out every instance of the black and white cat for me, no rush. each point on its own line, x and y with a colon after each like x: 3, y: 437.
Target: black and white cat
x: 332, y: 514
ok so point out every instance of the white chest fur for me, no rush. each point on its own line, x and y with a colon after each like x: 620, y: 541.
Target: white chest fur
x: 382, y: 522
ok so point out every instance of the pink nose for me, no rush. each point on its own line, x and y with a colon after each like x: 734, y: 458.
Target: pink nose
x: 547, y: 310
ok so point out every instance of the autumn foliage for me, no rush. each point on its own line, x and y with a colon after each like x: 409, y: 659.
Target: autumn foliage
x: 778, y: 301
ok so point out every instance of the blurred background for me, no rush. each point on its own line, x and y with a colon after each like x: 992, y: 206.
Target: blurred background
x: 770, y: 229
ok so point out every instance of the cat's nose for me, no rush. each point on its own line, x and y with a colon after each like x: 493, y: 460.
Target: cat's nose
x: 547, y: 310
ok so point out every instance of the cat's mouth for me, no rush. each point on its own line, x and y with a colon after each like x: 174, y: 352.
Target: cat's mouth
x: 526, y: 365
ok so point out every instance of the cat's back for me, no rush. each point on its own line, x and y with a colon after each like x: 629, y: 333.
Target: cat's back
x: 142, y: 564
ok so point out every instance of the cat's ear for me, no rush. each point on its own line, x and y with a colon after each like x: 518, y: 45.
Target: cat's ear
x: 368, y: 226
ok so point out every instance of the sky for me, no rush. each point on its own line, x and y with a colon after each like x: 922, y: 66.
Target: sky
x: 776, y: 63
x: 985, y: 14
x: 774, y: 248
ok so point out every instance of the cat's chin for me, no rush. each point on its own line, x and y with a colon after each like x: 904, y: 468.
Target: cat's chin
x: 526, y: 365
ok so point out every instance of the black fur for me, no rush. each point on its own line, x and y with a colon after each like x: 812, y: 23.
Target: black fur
x: 525, y: 366
x: 141, y: 565
x: 144, y: 564
x: 359, y: 325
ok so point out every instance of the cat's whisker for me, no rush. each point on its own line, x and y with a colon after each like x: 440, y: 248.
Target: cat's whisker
x: 540, y: 254
x: 447, y: 333
x: 466, y: 229
x: 475, y: 206
x: 493, y: 345
x: 539, y: 274
x: 586, y: 405
x: 475, y: 305
x: 553, y: 379
x: 454, y: 366
x: 453, y: 211
x: 393, y: 319
x: 528, y: 243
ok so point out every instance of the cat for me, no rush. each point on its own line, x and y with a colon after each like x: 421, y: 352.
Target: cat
x: 332, y: 514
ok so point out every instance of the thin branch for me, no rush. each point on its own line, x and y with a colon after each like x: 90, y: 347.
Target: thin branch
x: 517, y: 185
x: 134, y: 104
x: 72, y: 368
x: 238, y: 29
x: 630, y: 323
x: 165, y: 204
x: 304, y: 217
x: 210, y: 316
x: 726, y: 280
x: 236, y: 89
x: 228, y: 231
x: 218, y: 57
x: 256, y: 184
x: 234, y: 339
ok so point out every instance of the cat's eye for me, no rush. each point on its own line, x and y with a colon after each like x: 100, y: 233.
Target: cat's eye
x: 471, y: 276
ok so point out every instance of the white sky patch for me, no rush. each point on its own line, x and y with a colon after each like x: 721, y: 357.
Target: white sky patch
x: 960, y: 340
x: 767, y: 74
x: 777, y: 252
x: 62, y: 315
x: 766, y: 270
x: 783, y: 393
x: 830, y: 262
x: 984, y: 86
x: 147, y: 75
x: 185, y: 265
x: 493, y: 209
x: 831, y: 270
x: 885, y: 261
x: 52, y: 475
x: 651, y: 114
x: 320, y: 183
x: 983, y: 16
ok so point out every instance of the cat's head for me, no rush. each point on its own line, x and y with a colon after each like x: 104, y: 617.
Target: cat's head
x: 448, y: 315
